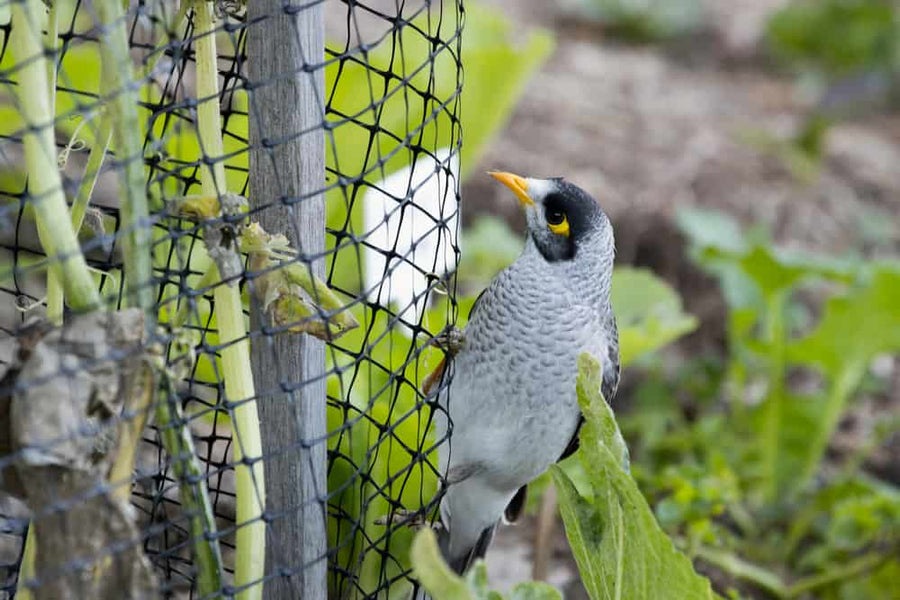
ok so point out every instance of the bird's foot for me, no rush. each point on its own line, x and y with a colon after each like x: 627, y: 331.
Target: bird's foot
x: 414, y: 519
x: 451, y: 341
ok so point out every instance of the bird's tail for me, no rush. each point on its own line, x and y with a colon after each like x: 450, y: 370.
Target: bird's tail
x: 462, y: 563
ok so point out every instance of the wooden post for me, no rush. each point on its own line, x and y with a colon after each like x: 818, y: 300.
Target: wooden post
x: 283, y: 39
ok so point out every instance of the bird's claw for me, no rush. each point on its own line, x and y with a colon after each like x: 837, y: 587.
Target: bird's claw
x: 414, y: 519
x: 451, y: 341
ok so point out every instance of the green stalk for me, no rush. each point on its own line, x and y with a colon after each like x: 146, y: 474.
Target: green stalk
x: 68, y: 273
x: 52, y: 44
x: 26, y: 569
x: 55, y: 296
x: 774, y: 407
x: 66, y: 262
x: 250, y: 485
x: 740, y: 569
x: 103, y: 136
x: 55, y: 299
x: 139, y: 399
x: 842, y: 387
x: 837, y: 573
x: 121, y: 97
x: 251, y: 532
x: 91, y: 172
x: 177, y: 440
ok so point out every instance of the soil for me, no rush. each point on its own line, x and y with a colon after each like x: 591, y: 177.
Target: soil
x: 649, y: 130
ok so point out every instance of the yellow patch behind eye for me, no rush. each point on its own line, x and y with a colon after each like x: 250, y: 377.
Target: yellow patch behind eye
x: 560, y: 228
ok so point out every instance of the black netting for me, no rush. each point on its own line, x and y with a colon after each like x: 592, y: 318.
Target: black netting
x: 346, y: 417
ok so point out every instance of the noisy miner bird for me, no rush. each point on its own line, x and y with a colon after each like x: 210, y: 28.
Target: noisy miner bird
x: 511, y: 402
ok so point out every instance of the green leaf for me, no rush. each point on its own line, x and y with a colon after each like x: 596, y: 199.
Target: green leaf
x: 647, y: 20
x: 534, y: 590
x: 648, y: 312
x: 711, y: 229
x: 749, y: 267
x: 834, y: 37
x: 443, y: 584
x: 854, y: 329
x: 433, y: 573
x: 621, y: 551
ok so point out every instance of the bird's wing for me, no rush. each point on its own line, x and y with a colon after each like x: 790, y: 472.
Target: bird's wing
x: 572, y: 446
x: 475, y: 304
x: 608, y: 388
x: 611, y: 373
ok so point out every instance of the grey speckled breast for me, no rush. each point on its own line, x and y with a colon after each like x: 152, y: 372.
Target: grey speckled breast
x: 513, y: 393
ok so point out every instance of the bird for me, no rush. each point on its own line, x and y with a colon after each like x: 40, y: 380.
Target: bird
x: 510, y: 409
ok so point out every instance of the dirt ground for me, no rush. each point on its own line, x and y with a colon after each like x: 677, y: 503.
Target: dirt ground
x: 650, y: 129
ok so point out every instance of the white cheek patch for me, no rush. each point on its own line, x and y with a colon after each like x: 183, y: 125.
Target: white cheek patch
x: 538, y: 189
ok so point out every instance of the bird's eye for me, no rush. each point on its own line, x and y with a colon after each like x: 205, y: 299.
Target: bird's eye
x: 555, y: 216
x: 557, y: 221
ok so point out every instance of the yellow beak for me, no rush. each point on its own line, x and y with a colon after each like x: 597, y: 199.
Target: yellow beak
x: 517, y: 184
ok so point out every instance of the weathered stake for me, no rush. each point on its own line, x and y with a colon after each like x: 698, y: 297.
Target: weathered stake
x: 285, y: 99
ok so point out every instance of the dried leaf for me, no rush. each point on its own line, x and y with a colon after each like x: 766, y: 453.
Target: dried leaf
x: 290, y: 294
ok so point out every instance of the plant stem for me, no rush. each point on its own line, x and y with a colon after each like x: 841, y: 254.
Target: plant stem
x: 836, y: 573
x: 55, y: 299
x: 177, y: 440
x: 52, y: 44
x: 36, y: 95
x: 66, y: 262
x: 743, y: 570
x: 91, y: 172
x: 121, y: 96
x: 543, y: 535
x: 26, y: 570
x: 251, y: 532
x: 55, y: 295
x: 138, y: 402
x: 842, y: 386
x: 103, y: 136
x: 774, y: 404
x: 250, y: 484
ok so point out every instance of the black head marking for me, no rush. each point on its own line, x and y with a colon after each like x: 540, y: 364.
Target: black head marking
x: 581, y: 212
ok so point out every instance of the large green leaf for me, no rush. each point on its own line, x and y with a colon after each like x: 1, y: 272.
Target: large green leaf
x: 788, y: 432
x: 854, y: 329
x: 621, y: 551
x: 648, y: 312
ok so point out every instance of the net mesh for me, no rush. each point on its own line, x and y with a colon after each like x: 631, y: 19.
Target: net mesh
x: 388, y: 116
